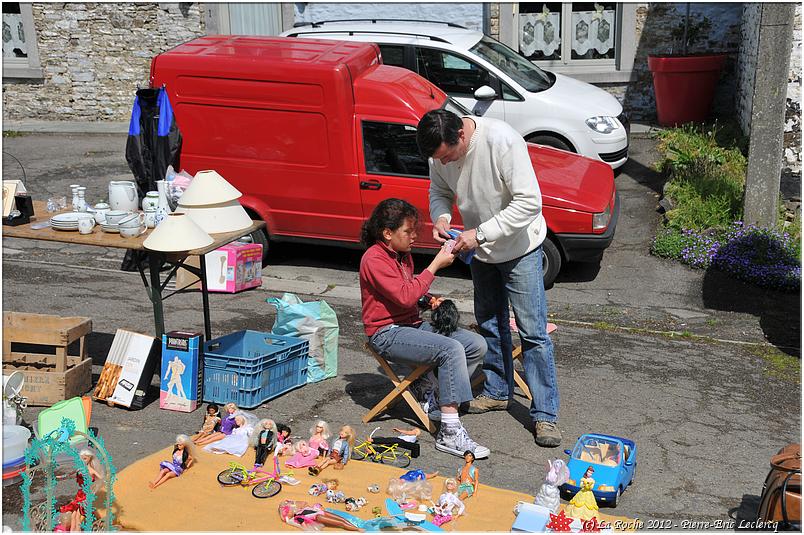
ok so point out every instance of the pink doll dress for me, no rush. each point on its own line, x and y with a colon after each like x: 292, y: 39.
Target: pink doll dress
x: 318, y: 444
x: 300, y: 460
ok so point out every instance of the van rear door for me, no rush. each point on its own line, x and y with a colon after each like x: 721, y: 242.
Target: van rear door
x: 390, y: 165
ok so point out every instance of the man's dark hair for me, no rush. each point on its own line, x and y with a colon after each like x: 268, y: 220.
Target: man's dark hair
x: 437, y: 127
x: 389, y: 214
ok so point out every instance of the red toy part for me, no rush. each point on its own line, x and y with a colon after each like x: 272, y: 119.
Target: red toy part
x: 559, y: 523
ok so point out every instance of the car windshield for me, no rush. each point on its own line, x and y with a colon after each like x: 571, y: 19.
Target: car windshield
x: 598, y: 451
x: 525, y: 73
x: 455, y: 107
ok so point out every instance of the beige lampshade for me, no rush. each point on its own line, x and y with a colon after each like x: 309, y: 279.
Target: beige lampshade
x: 214, y: 218
x: 177, y: 232
x: 208, y: 187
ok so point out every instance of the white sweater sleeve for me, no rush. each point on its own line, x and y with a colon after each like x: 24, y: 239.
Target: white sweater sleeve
x: 519, y: 177
x: 441, y: 195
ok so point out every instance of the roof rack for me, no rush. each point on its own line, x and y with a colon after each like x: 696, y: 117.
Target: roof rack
x: 352, y: 32
x: 374, y: 21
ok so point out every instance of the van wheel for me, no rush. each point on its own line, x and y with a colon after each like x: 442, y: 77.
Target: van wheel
x: 551, y: 262
x: 260, y: 236
x: 550, y: 141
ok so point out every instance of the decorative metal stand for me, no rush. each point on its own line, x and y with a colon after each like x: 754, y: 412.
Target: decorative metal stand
x: 41, y: 456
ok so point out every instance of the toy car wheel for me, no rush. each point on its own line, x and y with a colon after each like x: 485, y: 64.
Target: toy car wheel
x: 400, y: 461
x: 613, y: 502
x: 266, y: 489
x: 359, y: 455
x: 229, y: 477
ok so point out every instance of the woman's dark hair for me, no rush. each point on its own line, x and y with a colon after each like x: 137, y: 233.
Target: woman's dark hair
x: 389, y: 214
x: 437, y: 127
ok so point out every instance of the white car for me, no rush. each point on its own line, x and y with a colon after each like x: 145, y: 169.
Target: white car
x: 494, y: 81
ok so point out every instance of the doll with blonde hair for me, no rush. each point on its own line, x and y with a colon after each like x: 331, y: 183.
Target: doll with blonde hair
x: 75, y: 508
x: 304, y: 455
x: 319, y: 434
x: 264, y: 440
x: 449, y: 504
x: 182, y: 458
x: 340, y: 452
x: 237, y: 442
x: 227, y: 426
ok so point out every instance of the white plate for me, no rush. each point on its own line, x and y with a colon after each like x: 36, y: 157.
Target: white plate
x: 70, y: 217
x: 68, y: 229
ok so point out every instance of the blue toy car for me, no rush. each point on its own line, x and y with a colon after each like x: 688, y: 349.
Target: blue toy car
x: 614, y: 462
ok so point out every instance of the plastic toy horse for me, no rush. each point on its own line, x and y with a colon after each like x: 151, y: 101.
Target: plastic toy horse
x: 549, y: 495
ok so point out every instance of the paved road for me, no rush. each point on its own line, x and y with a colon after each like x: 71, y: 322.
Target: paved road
x: 706, y: 415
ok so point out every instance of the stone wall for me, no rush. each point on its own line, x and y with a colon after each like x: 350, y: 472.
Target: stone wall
x: 792, y: 127
x: 93, y: 56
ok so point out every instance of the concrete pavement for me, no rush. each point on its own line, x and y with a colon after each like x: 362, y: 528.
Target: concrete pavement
x: 706, y: 415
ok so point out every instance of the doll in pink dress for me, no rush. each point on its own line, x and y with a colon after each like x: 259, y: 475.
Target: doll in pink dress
x: 303, y: 457
x: 319, y: 434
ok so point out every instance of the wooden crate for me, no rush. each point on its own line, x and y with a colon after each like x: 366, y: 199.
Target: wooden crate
x: 49, y: 378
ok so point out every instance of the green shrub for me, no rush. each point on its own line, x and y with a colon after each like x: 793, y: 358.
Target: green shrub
x: 705, y: 180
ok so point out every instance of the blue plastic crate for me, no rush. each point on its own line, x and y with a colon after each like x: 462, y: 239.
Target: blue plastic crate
x: 269, y: 366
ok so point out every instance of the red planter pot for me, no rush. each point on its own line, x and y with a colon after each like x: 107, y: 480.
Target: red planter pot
x: 684, y: 86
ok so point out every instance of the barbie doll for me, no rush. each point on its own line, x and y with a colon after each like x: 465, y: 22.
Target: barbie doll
x: 211, y: 423
x: 183, y: 457
x: 341, y: 450
x: 304, y: 457
x: 311, y: 516
x: 284, y: 445
x: 264, y: 440
x: 228, y: 425
x: 449, y: 505
x: 237, y: 442
x: 76, y: 507
x: 468, y: 476
x: 319, y: 434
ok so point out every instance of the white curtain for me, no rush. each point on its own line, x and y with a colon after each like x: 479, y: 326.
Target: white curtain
x: 592, y: 30
x: 13, y: 36
x: 539, y: 31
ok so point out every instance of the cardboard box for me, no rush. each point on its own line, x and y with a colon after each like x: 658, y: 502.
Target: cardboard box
x: 128, y: 370
x: 49, y: 377
x: 182, y: 378
x: 235, y: 267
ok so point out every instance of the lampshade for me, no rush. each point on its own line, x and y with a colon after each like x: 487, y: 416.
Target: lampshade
x: 214, y: 218
x: 208, y: 187
x: 177, y: 232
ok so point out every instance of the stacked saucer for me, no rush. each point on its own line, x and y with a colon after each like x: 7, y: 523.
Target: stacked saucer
x: 110, y: 227
x: 68, y: 221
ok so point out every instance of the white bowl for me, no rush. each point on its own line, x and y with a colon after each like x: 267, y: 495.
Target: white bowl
x: 177, y: 232
x: 215, y: 218
x: 208, y: 187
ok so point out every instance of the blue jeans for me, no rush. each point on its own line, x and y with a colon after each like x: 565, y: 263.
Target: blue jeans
x: 457, y: 357
x: 520, y: 282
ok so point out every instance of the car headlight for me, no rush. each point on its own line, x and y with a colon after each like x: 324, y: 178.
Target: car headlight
x: 603, y: 124
x: 601, y: 220
x: 605, y: 488
x: 571, y: 482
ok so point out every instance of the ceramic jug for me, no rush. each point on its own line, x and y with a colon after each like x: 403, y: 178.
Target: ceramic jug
x: 123, y: 195
x: 163, y: 208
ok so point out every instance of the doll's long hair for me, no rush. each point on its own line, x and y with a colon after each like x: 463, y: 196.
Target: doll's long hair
x: 255, y: 435
x: 445, y: 318
x: 189, y: 446
x: 350, y: 434
x: 326, y: 433
x: 95, y: 463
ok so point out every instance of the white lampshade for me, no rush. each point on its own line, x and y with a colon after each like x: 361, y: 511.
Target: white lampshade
x: 214, y: 218
x: 177, y: 232
x: 208, y: 187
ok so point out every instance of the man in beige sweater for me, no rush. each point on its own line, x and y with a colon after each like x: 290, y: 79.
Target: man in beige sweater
x: 484, y: 166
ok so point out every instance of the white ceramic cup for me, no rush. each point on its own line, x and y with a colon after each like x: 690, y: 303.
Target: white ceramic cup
x: 132, y: 232
x: 132, y: 221
x: 113, y: 217
x: 86, y: 224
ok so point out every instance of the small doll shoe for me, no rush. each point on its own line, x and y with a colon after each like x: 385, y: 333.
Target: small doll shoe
x: 313, y: 470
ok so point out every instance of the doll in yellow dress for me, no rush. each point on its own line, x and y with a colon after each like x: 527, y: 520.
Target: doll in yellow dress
x: 583, y: 505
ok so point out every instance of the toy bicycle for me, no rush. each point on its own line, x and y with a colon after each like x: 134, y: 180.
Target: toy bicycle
x: 386, y: 454
x: 265, y: 483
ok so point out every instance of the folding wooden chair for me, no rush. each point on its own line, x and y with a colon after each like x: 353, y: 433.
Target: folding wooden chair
x: 400, y: 391
x: 518, y: 379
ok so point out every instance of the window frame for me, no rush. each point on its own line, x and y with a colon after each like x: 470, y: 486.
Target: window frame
x: 30, y: 67
x: 620, y: 69
x: 494, y: 81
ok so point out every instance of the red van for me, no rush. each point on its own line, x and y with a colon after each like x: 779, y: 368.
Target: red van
x: 315, y: 133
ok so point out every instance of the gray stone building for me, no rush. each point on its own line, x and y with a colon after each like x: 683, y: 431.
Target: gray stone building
x: 83, y: 61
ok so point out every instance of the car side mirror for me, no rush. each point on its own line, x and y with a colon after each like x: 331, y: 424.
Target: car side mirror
x: 568, y: 452
x: 485, y: 93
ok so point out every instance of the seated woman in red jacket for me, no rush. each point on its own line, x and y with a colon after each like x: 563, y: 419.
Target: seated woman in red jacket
x: 390, y: 293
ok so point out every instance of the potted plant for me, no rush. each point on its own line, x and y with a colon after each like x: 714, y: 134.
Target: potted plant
x: 684, y: 83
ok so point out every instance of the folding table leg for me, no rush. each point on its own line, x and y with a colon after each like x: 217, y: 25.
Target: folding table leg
x: 155, y: 262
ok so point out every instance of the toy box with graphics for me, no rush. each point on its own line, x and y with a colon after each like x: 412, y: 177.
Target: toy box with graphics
x: 181, y: 378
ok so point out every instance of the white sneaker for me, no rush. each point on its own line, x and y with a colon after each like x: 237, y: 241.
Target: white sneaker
x: 455, y: 440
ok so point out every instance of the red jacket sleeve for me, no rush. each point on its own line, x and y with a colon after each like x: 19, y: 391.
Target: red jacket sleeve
x: 386, y: 279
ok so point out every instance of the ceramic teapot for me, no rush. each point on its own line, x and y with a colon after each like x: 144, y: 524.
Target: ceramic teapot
x: 123, y: 195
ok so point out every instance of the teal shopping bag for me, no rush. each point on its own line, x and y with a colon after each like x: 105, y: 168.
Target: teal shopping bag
x: 316, y: 322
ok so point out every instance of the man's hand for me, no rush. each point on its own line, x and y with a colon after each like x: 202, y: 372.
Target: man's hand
x: 466, y: 241
x: 440, y: 228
